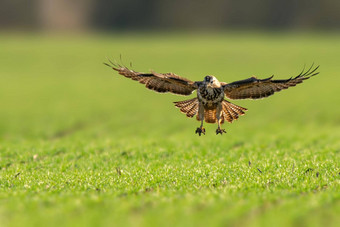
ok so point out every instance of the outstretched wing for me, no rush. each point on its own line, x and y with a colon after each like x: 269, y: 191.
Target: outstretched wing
x: 253, y: 88
x: 160, y: 82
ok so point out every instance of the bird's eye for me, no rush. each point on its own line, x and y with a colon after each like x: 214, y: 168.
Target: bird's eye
x: 207, y: 78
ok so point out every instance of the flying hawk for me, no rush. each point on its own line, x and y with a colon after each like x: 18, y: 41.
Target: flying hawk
x: 210, y: 105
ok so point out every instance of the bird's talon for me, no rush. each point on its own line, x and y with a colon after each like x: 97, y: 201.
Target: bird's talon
x: 220, y: 131
x: 200, y: 131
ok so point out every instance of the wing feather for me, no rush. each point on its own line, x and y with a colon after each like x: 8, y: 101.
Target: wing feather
x: 253, y: 88
x: 159, y: 82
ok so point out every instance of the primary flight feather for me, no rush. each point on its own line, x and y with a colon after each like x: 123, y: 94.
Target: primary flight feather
x: 210, y: 105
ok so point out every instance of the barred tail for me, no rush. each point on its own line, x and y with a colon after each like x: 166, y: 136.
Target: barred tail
x: 231, y: 111
x: 210, y: 115
x: 188, y: 107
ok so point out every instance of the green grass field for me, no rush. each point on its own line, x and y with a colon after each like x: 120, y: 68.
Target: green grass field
x: 82, y: 146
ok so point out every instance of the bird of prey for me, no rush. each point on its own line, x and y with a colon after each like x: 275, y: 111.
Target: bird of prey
x: 210, y: 105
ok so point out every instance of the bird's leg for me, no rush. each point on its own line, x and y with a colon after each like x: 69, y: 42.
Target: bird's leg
x: 200, y: 130
x: 218, y: 116
x: 220, y: 130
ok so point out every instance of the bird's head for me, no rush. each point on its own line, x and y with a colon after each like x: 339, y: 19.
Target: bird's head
x: 211, y: 81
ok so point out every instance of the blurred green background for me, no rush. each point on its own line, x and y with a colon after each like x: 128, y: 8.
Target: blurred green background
x: 56, y: 85
x: 81, y: 145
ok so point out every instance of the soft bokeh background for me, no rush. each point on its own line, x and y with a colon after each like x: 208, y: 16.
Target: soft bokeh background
x: 81, y: 145
x: 78, y: 15
x: 52, y: 53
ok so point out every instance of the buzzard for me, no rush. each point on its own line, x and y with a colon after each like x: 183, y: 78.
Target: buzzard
x: 210, y: 105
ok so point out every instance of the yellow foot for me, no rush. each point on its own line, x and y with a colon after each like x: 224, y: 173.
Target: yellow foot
x: 220, y: 131
x: 200, y: 131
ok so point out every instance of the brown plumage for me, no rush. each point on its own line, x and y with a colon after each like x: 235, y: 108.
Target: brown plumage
x: 188, y: 107
x: 253, y: 88
x: 167, y: 82
x: 210, y: 105
x: 231, y: 111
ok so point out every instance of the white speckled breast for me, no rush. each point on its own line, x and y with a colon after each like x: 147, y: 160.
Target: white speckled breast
x: 210, y: 96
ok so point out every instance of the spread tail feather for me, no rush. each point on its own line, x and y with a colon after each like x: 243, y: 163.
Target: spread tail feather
x: 231, y: 111
x: 210, y: 115
x: 188, y: 107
